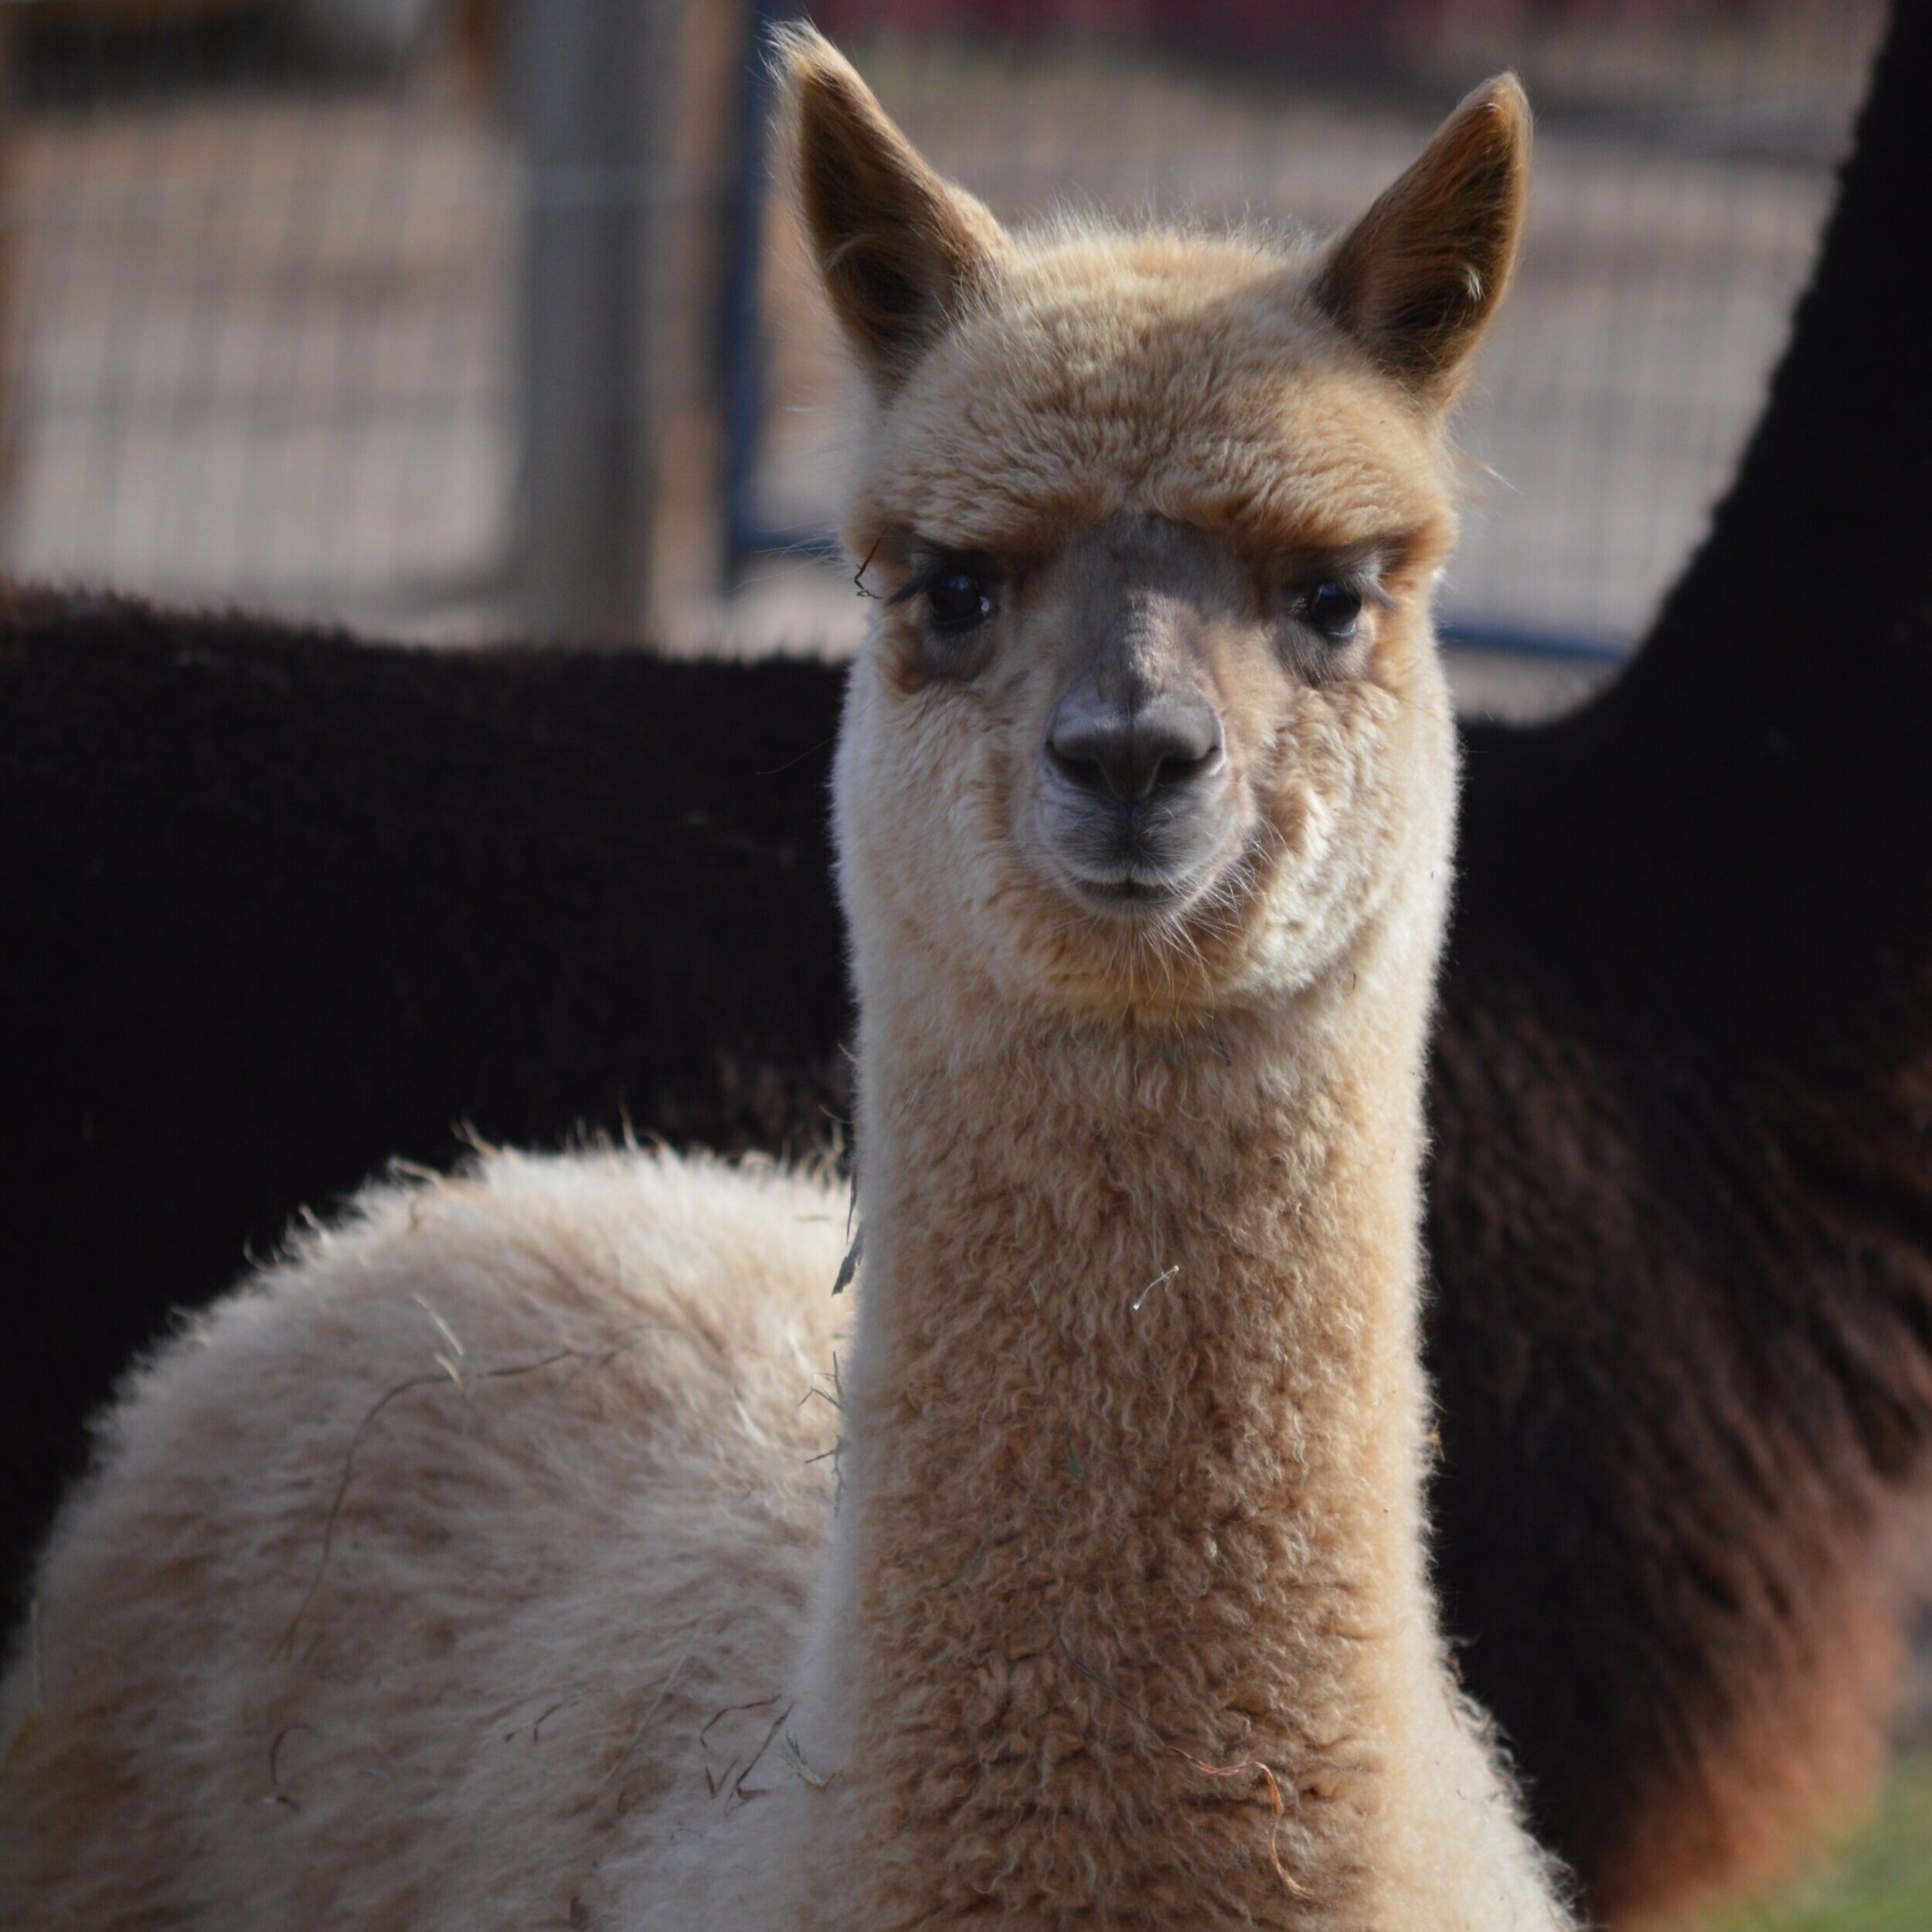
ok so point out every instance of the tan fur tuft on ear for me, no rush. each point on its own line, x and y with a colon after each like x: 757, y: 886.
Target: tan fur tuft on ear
x: 1417, y: 278
x: 898, y: 247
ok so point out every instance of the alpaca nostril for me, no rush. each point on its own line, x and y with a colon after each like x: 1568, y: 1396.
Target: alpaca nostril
x: 1129, y: 755
x: 1082, y: 761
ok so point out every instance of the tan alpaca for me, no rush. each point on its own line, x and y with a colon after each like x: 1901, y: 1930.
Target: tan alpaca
x: 472, y: 1568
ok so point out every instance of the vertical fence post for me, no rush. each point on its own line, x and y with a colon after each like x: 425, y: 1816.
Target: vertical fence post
x: 593, y: 80
x: 13, y: 384
x: 741, y: 343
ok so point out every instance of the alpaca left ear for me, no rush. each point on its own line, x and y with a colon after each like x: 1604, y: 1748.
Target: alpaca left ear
x: 898, y: 248
x: 1417, y: 278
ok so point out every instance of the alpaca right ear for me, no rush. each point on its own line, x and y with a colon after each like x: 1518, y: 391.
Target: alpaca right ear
x: 1417, y: 278
x: 898, y: 248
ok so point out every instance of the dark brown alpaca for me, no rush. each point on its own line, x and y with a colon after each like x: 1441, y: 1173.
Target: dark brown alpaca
x: 277, y: 906
x: 1683, y: 1195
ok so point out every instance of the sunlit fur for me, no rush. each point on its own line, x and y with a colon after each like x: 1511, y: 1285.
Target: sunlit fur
x: 457, y: 1573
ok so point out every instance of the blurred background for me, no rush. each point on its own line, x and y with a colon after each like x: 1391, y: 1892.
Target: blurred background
x: 457, y: 320
x: 453, y: 319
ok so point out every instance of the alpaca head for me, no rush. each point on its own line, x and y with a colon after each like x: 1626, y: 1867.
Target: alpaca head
x: 1150, y: 720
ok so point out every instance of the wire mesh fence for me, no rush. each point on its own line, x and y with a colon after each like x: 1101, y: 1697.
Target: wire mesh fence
x: 260, y: 316
x: 274, y: 273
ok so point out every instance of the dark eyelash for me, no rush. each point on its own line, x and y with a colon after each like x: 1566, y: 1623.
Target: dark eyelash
x: 929, y: 572
x: 1358, y: 583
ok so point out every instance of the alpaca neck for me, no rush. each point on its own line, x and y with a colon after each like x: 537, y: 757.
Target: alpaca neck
x: 1132, y: 1459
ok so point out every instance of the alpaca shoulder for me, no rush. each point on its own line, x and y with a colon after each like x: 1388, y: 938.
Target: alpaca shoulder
x: 470, y: 1515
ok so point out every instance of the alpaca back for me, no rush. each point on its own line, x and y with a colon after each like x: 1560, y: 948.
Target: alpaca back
x: 415, y: 1569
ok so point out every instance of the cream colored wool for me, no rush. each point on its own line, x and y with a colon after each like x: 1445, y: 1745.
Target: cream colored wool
x: 529, y: 1550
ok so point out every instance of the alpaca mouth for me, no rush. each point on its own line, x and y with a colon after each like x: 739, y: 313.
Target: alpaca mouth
x: 1119, y: 868
x: 1132, y: 894
x: 1142, y: 886
x: 1134, y: 861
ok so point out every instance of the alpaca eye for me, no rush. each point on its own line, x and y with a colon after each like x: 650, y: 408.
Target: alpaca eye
x: 957, y: 602
x: 1332, y: 609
